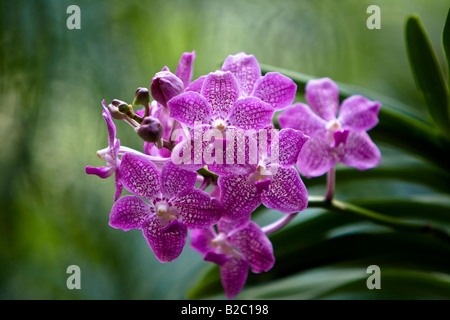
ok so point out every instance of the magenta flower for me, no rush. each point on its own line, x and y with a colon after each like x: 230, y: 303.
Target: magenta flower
x: 273, y: 181
x: 173, y: 206
x: 334, y: 139
x: 110, y: 154
x: 235, y: 249
x: 273, y: 88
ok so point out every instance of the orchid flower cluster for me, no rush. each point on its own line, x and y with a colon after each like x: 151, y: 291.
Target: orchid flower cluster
x: 211, y: 156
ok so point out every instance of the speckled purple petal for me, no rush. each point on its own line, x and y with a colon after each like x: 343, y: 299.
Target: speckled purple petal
x: 360, y: 151
x: 185, y: 67
x: 317, y: 156
x: 301, y: 117
x: 254, y: 246
x: 323, y: 96
x: 250, y: 113
x: 239, y: 197
x: 166, y: 243
x: 129, y: 212
x: 221, y: 90
x: 196, y: 85
x: 140, y: 176
x: 275, y: 89
x: 197, y: 210
x: 234, y: 275
x: 189, y: 108
x: 290, y: 142
x: 359, y: 113
x: 175, y: 180
x: 287, y: 192
x: 245, y: 68
x: 201, y: 239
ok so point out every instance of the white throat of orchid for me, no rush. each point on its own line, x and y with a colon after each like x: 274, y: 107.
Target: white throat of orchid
x: 333, y: 126
x: 219, y: 124
x: 165, y: 212
x: 220, y: 242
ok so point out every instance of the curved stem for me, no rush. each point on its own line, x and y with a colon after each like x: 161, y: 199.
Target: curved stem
x: 277, y: 225
x: 344, y: 207
x: 331, y: 184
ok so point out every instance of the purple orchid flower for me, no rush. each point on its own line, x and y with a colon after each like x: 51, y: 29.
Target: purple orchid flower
x: 273, y: 181
x: 273, y: 88
x: 235, y: 249
x: 212, y: 113
x: 334, y: 139
x: 173, y: 206
x: 110, y: 154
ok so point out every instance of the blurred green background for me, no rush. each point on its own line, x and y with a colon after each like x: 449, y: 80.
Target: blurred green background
x: 52, y: 82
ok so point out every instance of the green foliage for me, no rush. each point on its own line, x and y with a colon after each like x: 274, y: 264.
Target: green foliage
x: 52, y: 81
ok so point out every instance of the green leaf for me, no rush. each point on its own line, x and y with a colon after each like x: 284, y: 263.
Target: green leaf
x: 446, y: 42
x: 427, y: 73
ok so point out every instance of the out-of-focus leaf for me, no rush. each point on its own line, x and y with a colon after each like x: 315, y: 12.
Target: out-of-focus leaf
x: 427, y: 73
x: 446, y: 43
x: 351, y: 283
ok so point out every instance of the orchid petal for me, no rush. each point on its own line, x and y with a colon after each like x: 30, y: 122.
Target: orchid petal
x: 196, y: 85
x: 275, y: 89
x: 197, y: 210
x: 129, y: 212
x: 110, y: 124
x: 221, y: 90
x: 234, y: 275
x: 140, y: 176
x: 360, y: 151
x: 166, y: 242
x: 185, y: 67
x: 317, y: 155
x: 287, y: 192
x: 201, y: 239
x: 189, y: 108
x: 245, y: 68
x: 250, y: 113
x: 255, y: 247
x: 359, y: 113
x: 323, y: 97
x: 290, y: 144
x: 102, y: 172
x: 238, y: 196
x: 175, y: 180
x: 301, y: 117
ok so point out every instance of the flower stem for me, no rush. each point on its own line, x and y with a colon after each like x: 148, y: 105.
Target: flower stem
x: 331, y: 184
x: 344, y: 207
x: 277, y: 225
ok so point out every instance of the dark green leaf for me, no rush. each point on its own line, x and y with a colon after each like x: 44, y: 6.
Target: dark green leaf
x: 427, y: 73
x: 446, y: 43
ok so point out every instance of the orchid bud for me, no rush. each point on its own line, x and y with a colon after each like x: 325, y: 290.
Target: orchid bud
x: 165, y: 85
x: 141, y: 97
x: 150, y: 130
x: 114, y: 109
